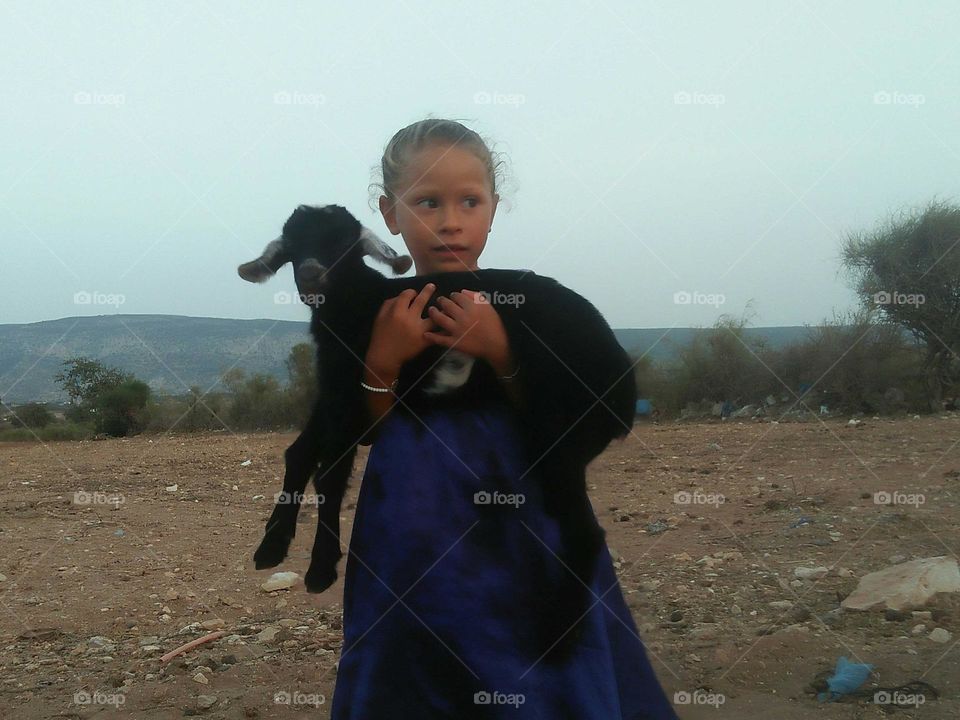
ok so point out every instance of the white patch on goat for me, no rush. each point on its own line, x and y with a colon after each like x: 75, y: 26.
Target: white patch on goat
x: 450, y: 372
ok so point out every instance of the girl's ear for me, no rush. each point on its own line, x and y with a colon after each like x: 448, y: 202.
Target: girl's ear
x: 493, y: 211
x: 388, y: 209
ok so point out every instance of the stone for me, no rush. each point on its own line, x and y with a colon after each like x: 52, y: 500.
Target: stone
x: 280, y: 581
x: 891, y: 615
x: 939, y: 635
x: 810, y: 573
x: 214, y: 624
x: 201, y: 678
x: 269, y: 633
x: 780, y: 604
x: 905, y: 586
x: 205, y: 702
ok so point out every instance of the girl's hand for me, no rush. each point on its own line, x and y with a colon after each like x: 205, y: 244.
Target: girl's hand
x: 398, y: 332
x: 473, y: 326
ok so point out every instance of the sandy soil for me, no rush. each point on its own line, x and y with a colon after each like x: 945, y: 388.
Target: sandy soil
x: 93, y: 592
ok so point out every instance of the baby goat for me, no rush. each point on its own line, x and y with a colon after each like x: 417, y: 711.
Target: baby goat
x: 577, y: 382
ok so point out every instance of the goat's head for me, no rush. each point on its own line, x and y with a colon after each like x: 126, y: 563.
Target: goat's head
x: 316, y: 240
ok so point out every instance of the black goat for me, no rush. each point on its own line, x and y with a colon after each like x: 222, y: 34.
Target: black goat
x: 577, y: 381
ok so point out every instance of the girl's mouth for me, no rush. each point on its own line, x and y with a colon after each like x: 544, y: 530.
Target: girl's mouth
x: 450, y: 250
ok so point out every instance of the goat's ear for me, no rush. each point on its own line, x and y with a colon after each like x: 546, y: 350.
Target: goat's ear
x: 267, y: 264
x: 379, y: 250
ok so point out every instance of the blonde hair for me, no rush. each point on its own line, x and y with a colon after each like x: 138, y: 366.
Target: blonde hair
x: 415, y: 137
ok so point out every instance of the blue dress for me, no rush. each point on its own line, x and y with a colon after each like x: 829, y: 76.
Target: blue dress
x: 449, y: 545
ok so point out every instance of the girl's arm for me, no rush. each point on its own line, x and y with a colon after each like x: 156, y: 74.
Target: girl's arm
x: 378, y: 404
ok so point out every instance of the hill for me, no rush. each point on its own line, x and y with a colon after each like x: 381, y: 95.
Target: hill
x: 173, y: 352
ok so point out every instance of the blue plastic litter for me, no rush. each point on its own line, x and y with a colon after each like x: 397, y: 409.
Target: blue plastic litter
x: 803, y: 520
x: 643, y: 407
x: 846, y: 678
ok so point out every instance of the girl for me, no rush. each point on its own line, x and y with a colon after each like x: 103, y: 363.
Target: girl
x: 441, y: 590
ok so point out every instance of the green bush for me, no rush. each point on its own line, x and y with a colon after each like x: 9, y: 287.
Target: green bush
x: 31, y: 415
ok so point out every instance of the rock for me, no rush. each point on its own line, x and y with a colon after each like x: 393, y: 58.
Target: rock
x: 780, y: 604
x: 905, y: 586
x: 205, y: 702
x: 150, y: 649
x: 655, y: 528
x: 214, y: 624
x: 99, y: 643
x: 171, y: 595
x: 171, y: 488
x: 917, y: 629
x: 705, y: 632
x: 897, y: 559
x: 921, y: 615
x: 939, y: 635
x: 810, y: 573
x: 891, y: 615
x: 280, y: 581
x: 735, y: 610
x: 269, y: 633
x: 676, y: 616
x: 201, y: 678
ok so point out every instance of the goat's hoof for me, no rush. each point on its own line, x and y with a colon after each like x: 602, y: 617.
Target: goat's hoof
x: 318, y: 580
x: 272, y: 552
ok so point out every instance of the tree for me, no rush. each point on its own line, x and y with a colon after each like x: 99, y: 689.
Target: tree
x: 908, y: 271
x: 85, y: 379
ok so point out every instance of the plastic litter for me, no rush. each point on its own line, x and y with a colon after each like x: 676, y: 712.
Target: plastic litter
x: 846, y: 678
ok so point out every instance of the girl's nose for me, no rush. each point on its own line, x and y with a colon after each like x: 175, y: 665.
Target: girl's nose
x: 449, y: 220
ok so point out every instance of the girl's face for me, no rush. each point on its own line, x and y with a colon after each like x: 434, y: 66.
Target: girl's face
x: 444, y: 209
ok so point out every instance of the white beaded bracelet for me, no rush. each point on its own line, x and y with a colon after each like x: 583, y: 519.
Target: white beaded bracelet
x: 393, y: 386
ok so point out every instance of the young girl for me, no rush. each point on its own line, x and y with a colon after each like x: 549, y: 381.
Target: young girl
x: 441, y: 591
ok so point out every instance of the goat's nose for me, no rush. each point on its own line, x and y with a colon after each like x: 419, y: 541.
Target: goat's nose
x: 310, y: 273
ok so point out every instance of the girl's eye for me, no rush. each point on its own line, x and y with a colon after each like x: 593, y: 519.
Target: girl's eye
x: 472, y: 201
x: 428, y: 200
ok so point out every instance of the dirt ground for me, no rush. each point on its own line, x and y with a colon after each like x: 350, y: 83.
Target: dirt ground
x: 94, y: 588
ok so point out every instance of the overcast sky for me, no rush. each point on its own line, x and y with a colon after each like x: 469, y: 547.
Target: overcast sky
x: 717, y: 149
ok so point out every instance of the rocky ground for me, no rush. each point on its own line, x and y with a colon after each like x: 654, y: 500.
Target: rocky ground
x: 735, y: 543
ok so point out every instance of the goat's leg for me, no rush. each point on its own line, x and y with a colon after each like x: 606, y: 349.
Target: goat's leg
x: 301, y: 461
x: 331, y: 483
